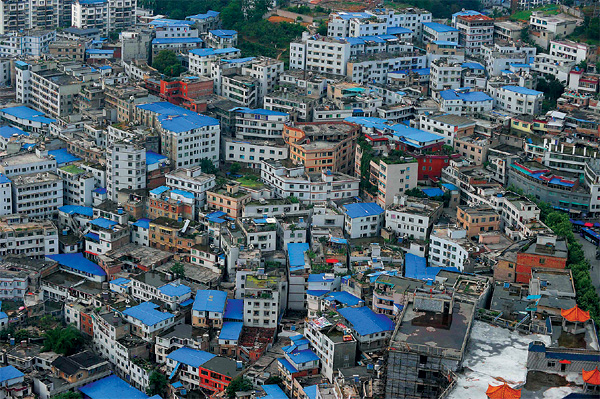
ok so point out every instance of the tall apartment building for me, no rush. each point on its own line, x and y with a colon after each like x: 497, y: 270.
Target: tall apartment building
x: 475, y: 31
x: 14, y: 15
x: 393, y: 176
x: 517, y: 99
x: 78, y: 185
x: 261, y: 301
x: 20, y: 236
x: 27, y: 43
x: 266, y: 71
x: 201, y: 60
x: 37, y: 195
x: 192, y: 180
x: 46, y: 89
x: 105, y: 15
x: 125, y: 168
x: 6, y: 203
x: 258, y: 123
x: 186, y: 137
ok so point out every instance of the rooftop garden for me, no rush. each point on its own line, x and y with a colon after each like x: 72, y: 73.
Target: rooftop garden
x: 250, y: 181
x: 523, y: 15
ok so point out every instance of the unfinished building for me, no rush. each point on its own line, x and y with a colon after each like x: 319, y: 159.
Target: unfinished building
x: 428, y: 344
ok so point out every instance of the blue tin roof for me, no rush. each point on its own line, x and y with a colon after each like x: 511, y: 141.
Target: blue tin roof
x: 302, y: 356
x: 98, y: 51
x: 78, y: 262
x: 205, y: 52
x: 143, y: 223
x: 317, y: 293
x: 159, y: 190
x: 177, y: 119
x: 152, y: 157
x: 174, y: 290
x: 287, y: 365
x: 473, y: 65
x: 8, y: 131
x: 103, y: 223
x: 185, y: 194
x: 445, y: 43
x: 9, y: 373
x: 450, y: 186
x: 5, y: 180
x: 312, y: 391
x: 477, y: 96
x: 522, y: 90
x: 234, y: 309
x: 210, y: 301
x: 121, y: 282
x: 296, y: 255
x: 100, y: 190
x: 209, y: 14
x: 440, y: 28
x: 63, y: 157
x: 398, y: 30
x: 147, y: 313
x: 273, y: 392
x: 258, y: 111
x: 362, y: 209
x: 175, y: 40
x: 416, y: 267
x: 224, y: 33
x: 317, y: 278
x: 111, y: 387
x: 231, y: 330
x: 26, y: 113
x: 433, y: 192
x: 191, y: 357
x: 365, y: 321
x: 77, y: 210
x: 344, y: 297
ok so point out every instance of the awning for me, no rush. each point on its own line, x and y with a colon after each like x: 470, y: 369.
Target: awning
x: 588, y: 224
x: 565, y: 362
x: 333, y: 261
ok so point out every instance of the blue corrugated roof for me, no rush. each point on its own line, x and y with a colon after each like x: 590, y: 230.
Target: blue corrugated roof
x: 416, y: 267
x: 303, y: 356
x: 239, y: 60
x: 191, y: 357
x: 8, y: 131
x: 147, y: 313
x: 111, y: 387
x: 98, y: 51
x: 418, y: 71
x: 228, y: 33
x: 142, y: 223
x: 159, y: 190
x: 205, y: 52
x: 433, y: 192
x: 316, y: 278
x: 362, y: 209
x: 209, y: 14
x: 273, y: 392
x: 398, y: 30
x: 231, y: 330
x: 27, y: 113
x: 5, y: 180
x: 522, y: 90
x: 473, y: 65
x: 103, y: 223
x: 258, y: 111
x: 349, y: 15
x: 185, y: 194
x: 234, y: 310
x: 63, y: 157
x: 77, y: 210
x: 477, y: 96
x: 170, y: 22
x: 9, y: 372
x: 287, y: 365
x: 92, y: 236
x: 445, y: 43
x: 176, y: 119
x: 312, y: 391
x: 210, y: 301
x: 174, y: 290
x: 344, y: 297
x: 152, y: 158
x: 440, y: 28
x: 317, y: 293
x: 121, y: 282
x: 296, y: 254
x: 187, y: 302
x: 450, y: 186
x: 413, y: 135
x: 365, y: 321
x: 100, y: 190
x: 466, y: 13
x: 78, y: 262
x: 175, y: 40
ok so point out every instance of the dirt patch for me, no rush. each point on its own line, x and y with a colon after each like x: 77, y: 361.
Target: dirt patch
x: 276, y: 19
x: 537, y: 380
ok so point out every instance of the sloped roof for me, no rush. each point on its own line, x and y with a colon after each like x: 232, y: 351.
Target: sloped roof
x: 502, y: 392
x: 591, y: 377
x: 575, y: 314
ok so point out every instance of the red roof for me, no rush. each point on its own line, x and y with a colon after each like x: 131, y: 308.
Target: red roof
x: 564, y: 361
x: 575, y: 314
x: 502, y: 392
x: 332, y: 260
x: 591, y: 377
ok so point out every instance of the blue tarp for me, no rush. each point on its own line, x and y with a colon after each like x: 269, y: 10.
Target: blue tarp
x: 121, y: 282
x: 142, y: 223
x: 337, y: 240
x: 152, y: 158
x: 103, y: 223
x: 77, y: 262
x: 8, y: 131
x: 363, y: 209
x: 210, y: 301
x: 433, y: 192
x: 296, y: 255
x: 234, y: 309
x: 77, y: 210
x: 365, y: 321
x: 344, y: 297
x: 174, y: 290
x: 191, y: 357
x: 273, y: 392
x: 111, y: 387
x: 63, y: 157
x: 231, y: 330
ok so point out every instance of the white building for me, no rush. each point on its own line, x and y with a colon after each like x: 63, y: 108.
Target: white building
x: 321, y: 54
x: 37, y: 195
x: 147, y: 321
x: 569, y: 50
x: 465, y: 102
x: 363, y: 219
x: 449, y: 248
x: 261, y: 301
x: 23, y: 237
x: 78, y: 185
x: 259, y: 123
x: 250, y: 153
x: 292, y: 181
x: 412, y: 217
x: 433, y: 31
x: 445, y: 75
x: 266, y: 72
x: 193, y: 181
x: 106, y: 15
x: 551, y: 65
x: 30, y: 43
x: 201, y: 60
x: 151, y: 286
x: 475, y: 31
x: 125, y: 168
x: 105, y: 235
x: 519, y: 100
x: 6, y: 204
x: 221, y: 38
x: 240, y: 89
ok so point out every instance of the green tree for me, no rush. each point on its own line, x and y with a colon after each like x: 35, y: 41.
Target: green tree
x: 274, y: 379
x: 207, y: 166
x: 157, y: 384
x: 22, y: 334
x: 178, y: 269
x: 322, y: 29
x: 166, y: 62
x: 47, y: 321
x: 235, y: 168
x: 241, y: 383
x: 232, y: 14
x: 67, y: 395
x: 64, y: 341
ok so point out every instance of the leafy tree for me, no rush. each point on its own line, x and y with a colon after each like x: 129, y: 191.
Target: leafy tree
x: 274, y: 379
x: 64, y: 341
x: 178, y: 269
x: 166, y: 62
x: 552, y: 89
x: 207, y: 166
x: 67, y: 395
x: 239, y: 384
x: 20, y: 335
x: 232, y: 14
x: 47, y: 321
x: 235, y: 168
x: 322, y: 29
x: 157, y: 384
x: 415, y: 192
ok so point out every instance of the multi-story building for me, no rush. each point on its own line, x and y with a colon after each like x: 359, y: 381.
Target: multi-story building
x: 170, y: 235
x: 205, y: 22
x: 67, y: 50
x: 201, y: 60
x: 37, y: 195
x: 192, y: 180
x: 545, y: 251
x: 363, y: 219
x: 450, y: 248
x: 27, y: 238
x: 258, y: 123
x: 433, y: 31
x: 78, y: 185
x: 445, y: 75
x: 449, y: 126
x: 14, y: 15
x: 171, y: 203
x: 6, y: 207
x: 186, y: 137
x: 105, y: 235
x: 221, y: 38
x: 229, y: 199
x: 465, y: 102
x: 517, y: 99
x: 125, y: 168
x: 322, y: 145
x: 261, y: 301
x: 266, y: 72
x: 240, y: 89
x: 105, y: 15
x: 393, y: 176
x: 412, y: 217
x: 474, y: 31
x: 154, y: 286
x: 251, y: 152
x: 477, y: 219
x: 292, y: 180
x: 147, y: 322
x: 32, y: 43
x: 569, y: 50
x: 208, y: 308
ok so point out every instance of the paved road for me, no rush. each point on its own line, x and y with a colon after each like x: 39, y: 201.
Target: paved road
x: 590, y: 254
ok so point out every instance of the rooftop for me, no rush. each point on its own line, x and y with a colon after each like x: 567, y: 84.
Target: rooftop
x: 147, y: 313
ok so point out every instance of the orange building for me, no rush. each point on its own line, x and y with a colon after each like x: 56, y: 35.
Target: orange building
x: 477, y: 219
x: 229, y: 199
x: 546, y: 252
x: 322, y: 145
x: 186, y: 91
x: 169, y: 235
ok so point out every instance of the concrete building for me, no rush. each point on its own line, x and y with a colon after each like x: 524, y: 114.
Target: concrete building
x: 393, y: 176
x: 125, y: 168
x: 32, y: 43
x: 363, y: 219
x: 477, y: 220
x: 450, y: 248
x: 449, y: 126
x: 261, y: 301
x: 266, y: 71
x: 229, y: 199
x: 147, y: 322
x: 465, y: 102
x: 155, y: 286
x: 193, y: 181
x: 546, y: 251
x: 251, y: 152
x: 518, y: 99
x: 78, y: 185
x: 412, y: 217
x: 475, y: 31
x: 23, y: 237
x: 201, y: 60
x: 37, y: 195
x: 569, y: 50
x: 433, y: 31
x: 259, y: 124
